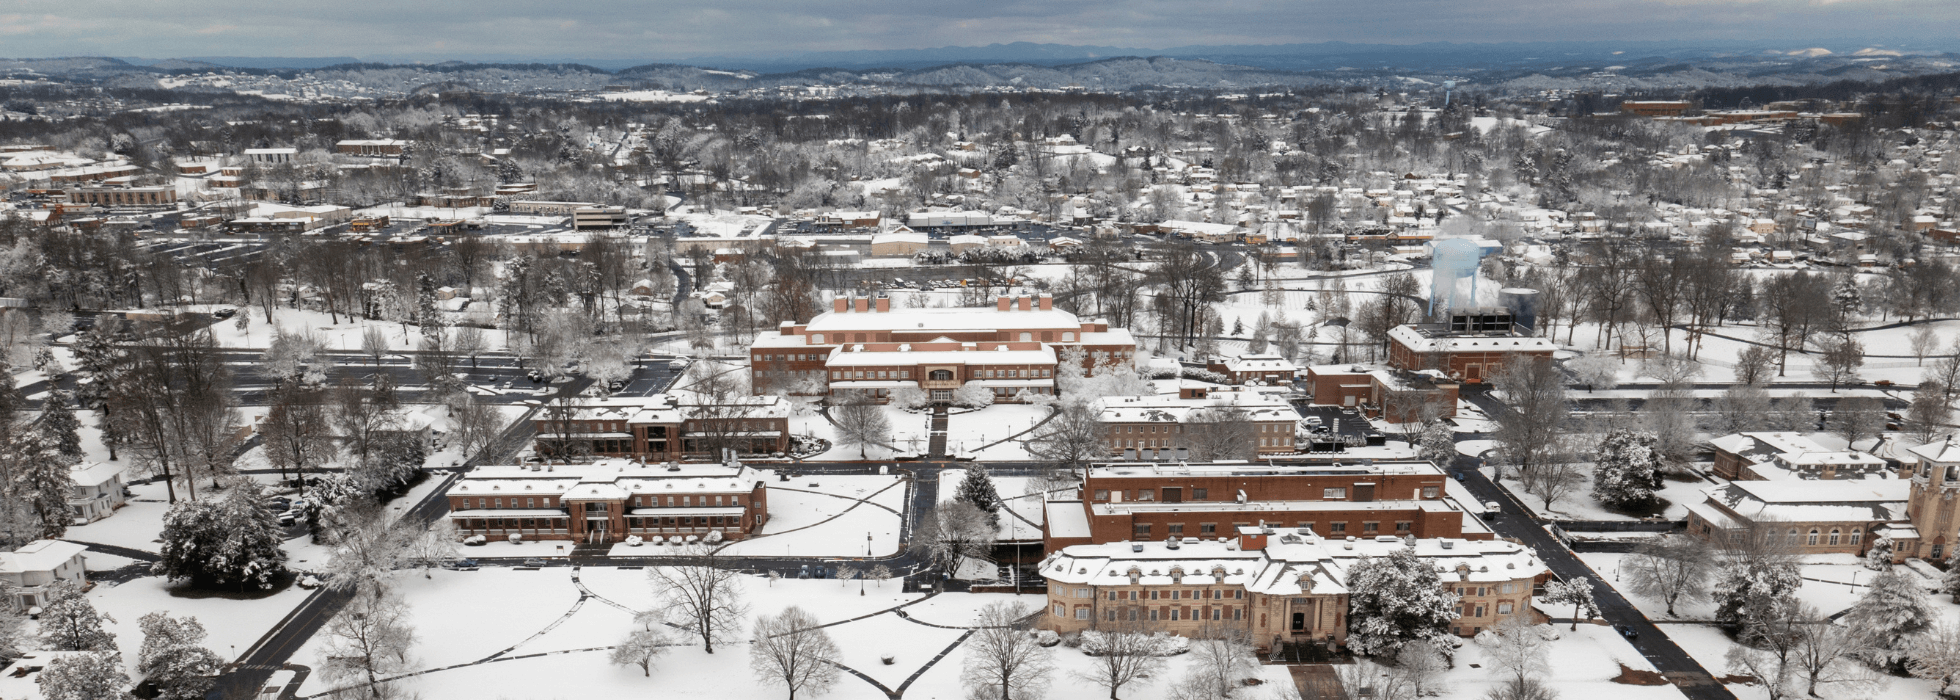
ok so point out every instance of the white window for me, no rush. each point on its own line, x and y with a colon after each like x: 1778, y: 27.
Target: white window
x: 1334, y: 494
x: 1027, y: 337
x: 1503, y: 608
x: 1068, y: 336
x: 1081, y: 613
x: 817, y: 338
x: 1507, y: 588
x: 1082, y: 593
x: 1059, y: 611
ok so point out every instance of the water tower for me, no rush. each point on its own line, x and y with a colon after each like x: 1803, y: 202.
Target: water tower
x: 1452, y: 261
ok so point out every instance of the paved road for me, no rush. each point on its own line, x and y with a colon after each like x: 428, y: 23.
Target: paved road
x: 1518, y: 522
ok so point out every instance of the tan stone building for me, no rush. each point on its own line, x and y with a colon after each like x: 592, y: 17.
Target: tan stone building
x: 1277, y: 586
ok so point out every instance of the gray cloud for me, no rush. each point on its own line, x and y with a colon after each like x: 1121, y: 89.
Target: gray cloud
x: 658, y: 29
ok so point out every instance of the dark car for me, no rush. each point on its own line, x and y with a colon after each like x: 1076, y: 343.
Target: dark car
x: 1627, y: 631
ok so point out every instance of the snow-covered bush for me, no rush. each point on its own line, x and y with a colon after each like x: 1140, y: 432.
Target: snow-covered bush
x: 1047, y: 638
x: 712, y: 537
x: 973, y: 396
x: 634, y: 541
x: 910, y: 398
x: 1204, y: 375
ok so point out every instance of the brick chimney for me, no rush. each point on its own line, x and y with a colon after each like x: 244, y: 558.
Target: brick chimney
x: 1003, y: 303
x: 840, y: 305
x: 1252, y: 539
x: 1024, y: 301
x: 1047, y: 302
x: 862, y: 304
x: 884, y: 305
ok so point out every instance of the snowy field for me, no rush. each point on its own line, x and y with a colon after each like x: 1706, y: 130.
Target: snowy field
x: 233, y: 624
x: 824, y: 516
x: 975, y: 432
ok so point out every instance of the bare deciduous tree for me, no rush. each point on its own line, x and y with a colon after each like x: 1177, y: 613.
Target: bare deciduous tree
x: 1671, y: 568
x: 1125, y: 653
x: 861, y: 422
x: 791, y: 649
x: 367, y: 642
x: 700, y: 597
x: 1003, y: 660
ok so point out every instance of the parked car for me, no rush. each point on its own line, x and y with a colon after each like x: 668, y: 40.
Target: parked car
x: 461, y: 565
x: 534, y: 562
x: 309, y: 582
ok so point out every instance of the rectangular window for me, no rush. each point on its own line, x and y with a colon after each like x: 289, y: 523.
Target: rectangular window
x: 1207, y: 529
x: 1102, y: 494
x: 1200, y: 494
x: 1402, y: 527
x: 1146, y: 495
x: 1081, y: 613
x: 1369, y: 528
x: 1503, y: 608
x: 1142, y: 531
x: 1507, y: 588
x: 1335, y: 494
x: 1176, y: 529
x: 1059, y: 610
x: 1337, y: 528
x: 1428, y: 492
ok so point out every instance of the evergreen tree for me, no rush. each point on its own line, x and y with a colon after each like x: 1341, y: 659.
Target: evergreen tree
x: 58, y: 427
x: 10, y: 399
x: 978, y: 489
x: 173, y: 659
x: 97, y: 676
x: 99, y: 360
x: 1879, y: 557
x: 1745, y: 582
x: 232, y: 543
x: 70, y: 623
x: 1892, y: 612
x: 43, y: 479
x: 1395, y: 600
x: 1626, y: 469
x: 1437, y: 444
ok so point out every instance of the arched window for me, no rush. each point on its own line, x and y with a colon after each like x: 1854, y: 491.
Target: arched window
x: 1793, y: 537
x: 1857, y: 536
x: 1027, y: 337
x: 1834, y: 537
x: 940, y: 375
x: 1812, y: 539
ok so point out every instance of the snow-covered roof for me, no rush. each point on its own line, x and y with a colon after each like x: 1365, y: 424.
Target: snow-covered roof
x: 1292, y: 563
x: 1813, y: 501
x: 944, y: 320
x: 1416, y: 340
x: 1170, y: 408
x: 39, y: 555
x: 607, y: 479
x: 1259, y: 363
x: 982, y: 354
x: 1945, y: 451
x: 1067, y: 519
x: 96, y: 473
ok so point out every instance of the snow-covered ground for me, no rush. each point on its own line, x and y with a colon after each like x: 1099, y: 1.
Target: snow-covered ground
x: 1017, y: 496
x: 824, y: 516
x: 1678, y: 491
x: 233, y: 622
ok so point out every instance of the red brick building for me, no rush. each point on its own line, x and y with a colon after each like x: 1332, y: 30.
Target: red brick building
x: 1136, y: 502
x: 1401, y: 396
x: 1265, y: 369
x: 663, y: 427
x: 1472, y: 348
x: 864, y: 345
x: 610, y: 500
x: 1162, y: 426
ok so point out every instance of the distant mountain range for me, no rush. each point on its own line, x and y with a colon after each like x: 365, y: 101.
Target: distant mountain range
x: 1543, y: 65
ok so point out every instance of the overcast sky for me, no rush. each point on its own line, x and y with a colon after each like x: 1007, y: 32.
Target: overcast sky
x: 658, y: 29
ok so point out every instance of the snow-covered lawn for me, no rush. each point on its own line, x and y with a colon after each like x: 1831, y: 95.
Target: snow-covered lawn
x: 969, y: 432
x: 1017, y: 497
x: 820, y: 516
x: 464, y: 617
x: 134, y: 525
x: 911, y: 433
x: 1579, y: 504
x: 1583, y: 664
x: 233, y: 625
x: 1827, y: 583
x: 1708, y: 645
